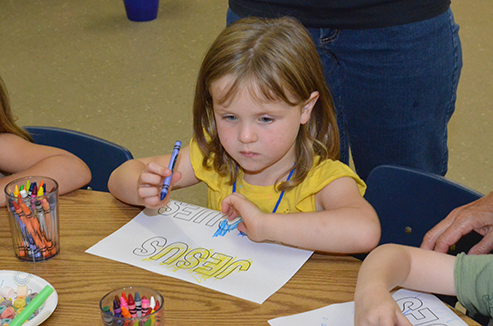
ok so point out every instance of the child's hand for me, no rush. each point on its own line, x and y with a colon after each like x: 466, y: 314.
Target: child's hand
x: 378, y: 308
x: 236, y: 205
x: 150, y: 183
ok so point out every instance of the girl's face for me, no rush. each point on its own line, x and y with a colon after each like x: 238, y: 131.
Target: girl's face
x: 260, y: 136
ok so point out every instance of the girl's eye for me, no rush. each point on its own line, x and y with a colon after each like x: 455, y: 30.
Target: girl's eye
x: 266, y: 120
x: 230, y: 118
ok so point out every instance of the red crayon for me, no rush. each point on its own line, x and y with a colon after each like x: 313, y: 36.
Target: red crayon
x: 158, y: 318
x: 131, y: 306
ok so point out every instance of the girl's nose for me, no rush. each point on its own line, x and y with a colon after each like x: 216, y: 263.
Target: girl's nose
x: 247, y: 134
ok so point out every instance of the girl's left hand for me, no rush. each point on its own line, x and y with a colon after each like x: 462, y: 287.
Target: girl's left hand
x: 236, y: 205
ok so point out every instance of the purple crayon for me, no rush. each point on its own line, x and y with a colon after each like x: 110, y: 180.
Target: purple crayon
x: 117, y: 311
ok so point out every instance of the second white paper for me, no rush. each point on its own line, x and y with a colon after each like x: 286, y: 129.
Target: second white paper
x: 420, y: 309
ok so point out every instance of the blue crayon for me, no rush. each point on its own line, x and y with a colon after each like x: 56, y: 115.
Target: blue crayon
x: 171, y: 166
x: 138, y: 304
x: 23, y: 233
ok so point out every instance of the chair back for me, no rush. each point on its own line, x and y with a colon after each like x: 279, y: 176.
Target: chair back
x: 410, y: 202
x: 100, y: 155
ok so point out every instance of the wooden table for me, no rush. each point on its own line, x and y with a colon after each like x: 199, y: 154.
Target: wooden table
x: 82, y: 279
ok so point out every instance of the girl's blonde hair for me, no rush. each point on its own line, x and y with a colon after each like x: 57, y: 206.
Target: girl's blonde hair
x: 280, y: 59
x: 7, y: 119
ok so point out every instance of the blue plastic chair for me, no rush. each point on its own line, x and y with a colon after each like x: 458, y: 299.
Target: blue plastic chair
x: 410, y: 202
x: 100, y: 155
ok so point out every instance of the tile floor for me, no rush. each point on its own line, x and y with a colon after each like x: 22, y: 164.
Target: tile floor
x: 82, y: 65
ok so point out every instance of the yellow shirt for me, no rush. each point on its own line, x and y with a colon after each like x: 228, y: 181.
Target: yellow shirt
x: 299, y: 199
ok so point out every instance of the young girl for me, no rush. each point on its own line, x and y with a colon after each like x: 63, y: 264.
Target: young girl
x: 265, y: 142
x: 467, y: 276
x: 19, y: 157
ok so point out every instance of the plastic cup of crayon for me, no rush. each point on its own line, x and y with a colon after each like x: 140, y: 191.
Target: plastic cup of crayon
x: 133, y: 305
x: 32, y: 203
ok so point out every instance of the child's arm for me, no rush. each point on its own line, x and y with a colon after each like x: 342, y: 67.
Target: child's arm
x: 343, y: 223
x: 139, y: 181
x: 393, y: 265
x: 22, y: 158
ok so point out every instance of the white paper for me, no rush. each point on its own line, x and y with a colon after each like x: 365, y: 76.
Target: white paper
x: 178, y: 241
x: 421, y: 309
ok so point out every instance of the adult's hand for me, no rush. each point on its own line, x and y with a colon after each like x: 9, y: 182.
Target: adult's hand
x: 476, y: 216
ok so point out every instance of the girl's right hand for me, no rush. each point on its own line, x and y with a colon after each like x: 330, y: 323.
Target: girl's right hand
x: 150, y: 183
x: 378, y: 308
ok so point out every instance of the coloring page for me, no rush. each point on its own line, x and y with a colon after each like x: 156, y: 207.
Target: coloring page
x: 182, y: 241
x: 421, y: 309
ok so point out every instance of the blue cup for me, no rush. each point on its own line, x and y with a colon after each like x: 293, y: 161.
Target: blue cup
x: 141, y: 10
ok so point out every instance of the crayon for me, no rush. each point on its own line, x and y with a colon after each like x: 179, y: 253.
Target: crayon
x: 41, y: 217
x: 156, y: 308
x: 145, y: 305
x: 32, y: 194
x: 171, y: 166
x: 22, y: 248
x: 116, y: 308
x: 138, y: 304
x: 153, y: 306
x: 33, y: 250
x: 152, y: 303
x: 25, y: 197
x: 123, y: 302
x: 125, y: 312
x: 22, y: 240
x: 48, y: 218
x: 131, y: 306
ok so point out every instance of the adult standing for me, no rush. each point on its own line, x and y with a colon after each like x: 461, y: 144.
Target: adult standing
x: 393, y: 68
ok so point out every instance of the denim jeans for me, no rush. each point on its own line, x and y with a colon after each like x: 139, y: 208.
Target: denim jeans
x: 394, y: 89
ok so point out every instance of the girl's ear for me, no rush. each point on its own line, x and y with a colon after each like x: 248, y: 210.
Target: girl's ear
x: 306, y: 111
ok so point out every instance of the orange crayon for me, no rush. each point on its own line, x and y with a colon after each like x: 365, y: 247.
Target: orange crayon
x: 22, y: 249
x: 48, y: 219
x: 126, y: 313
